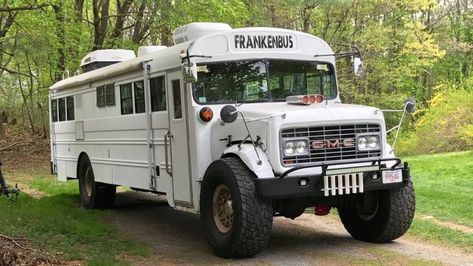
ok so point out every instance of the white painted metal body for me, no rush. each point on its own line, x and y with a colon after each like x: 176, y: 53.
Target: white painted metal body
x: 123, y: 151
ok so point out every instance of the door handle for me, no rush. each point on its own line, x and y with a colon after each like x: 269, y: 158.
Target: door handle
x: 168, y: 136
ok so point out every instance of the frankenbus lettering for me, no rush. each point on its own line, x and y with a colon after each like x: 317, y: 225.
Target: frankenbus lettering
x: 263, y: 41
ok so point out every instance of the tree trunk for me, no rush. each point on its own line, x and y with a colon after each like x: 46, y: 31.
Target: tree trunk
x: 79, y: 10
x: 122, y: 13
x: 2, y: 128
x: 100, y: 10
x: 25, y: 103
x: 60, y: 32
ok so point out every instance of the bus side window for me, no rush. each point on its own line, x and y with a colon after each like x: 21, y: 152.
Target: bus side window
x: 62, y: 109
x: 100, y: 91
x: 126, y: 99
x: 54, y: 110
x: 176, y: 93
x: 70, y: 108
x: 110, y: 94
x: 139, y: 97
x: 158, y: 94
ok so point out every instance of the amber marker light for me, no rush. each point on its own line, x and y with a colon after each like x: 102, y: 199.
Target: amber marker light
x: 206, y: 114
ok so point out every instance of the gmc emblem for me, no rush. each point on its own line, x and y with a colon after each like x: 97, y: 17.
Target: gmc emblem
x: 333, y: 143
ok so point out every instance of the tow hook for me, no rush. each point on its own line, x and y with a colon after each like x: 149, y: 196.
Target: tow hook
x: 321, y: 210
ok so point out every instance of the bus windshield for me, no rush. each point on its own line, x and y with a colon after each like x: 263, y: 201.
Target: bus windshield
x: 262, y: 81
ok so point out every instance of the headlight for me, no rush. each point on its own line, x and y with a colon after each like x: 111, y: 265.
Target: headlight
x: 362, y: 143
x: 289, y: 149
x: 373, y: 142
x: 367, y: 143
x: 301, y: 147
x: 296, y: 147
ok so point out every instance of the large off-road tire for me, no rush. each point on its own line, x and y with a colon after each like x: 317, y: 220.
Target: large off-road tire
x: 379, y: 216
x: 93, y: 195
x: 236, y: 221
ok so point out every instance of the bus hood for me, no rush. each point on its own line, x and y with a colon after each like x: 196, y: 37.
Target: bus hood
x: 330, y: 112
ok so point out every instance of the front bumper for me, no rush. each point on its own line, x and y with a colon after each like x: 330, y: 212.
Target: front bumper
x: 285, y: 187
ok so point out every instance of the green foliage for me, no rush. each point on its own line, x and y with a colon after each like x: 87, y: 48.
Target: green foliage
x: 419, y: 48
x: 446, y: 126
x: 56, y: 222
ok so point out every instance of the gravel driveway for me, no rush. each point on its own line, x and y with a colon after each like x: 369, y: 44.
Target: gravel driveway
x: 175, y: 237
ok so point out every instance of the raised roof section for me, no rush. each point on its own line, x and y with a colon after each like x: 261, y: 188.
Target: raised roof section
x: 197, y: 30
x: 102, y: 58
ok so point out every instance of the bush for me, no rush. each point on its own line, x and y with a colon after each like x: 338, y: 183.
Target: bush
x: 445, y: 127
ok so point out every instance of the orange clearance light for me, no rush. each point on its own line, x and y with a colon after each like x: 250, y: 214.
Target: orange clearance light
x: 312, y: 99
x: 319, y: 98
x: 305, y: 99
x: 206, y: 114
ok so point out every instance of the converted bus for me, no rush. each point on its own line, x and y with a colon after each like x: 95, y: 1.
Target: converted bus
x: 237, y: 125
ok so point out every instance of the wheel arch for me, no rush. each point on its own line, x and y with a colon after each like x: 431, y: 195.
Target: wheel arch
x: 247, y: 155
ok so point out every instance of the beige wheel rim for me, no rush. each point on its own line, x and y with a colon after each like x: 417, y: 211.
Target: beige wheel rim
x: 222, y: 208
x: 89, y: 180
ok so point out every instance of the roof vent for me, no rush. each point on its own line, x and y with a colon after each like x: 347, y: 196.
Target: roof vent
x: 102, y: 58
x: 196, y: 30
x: 143, y: 50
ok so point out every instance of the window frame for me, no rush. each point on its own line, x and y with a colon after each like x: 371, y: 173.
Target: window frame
x: 109, y: 94
x: 154, y: 94
x: 268, y: 74
x: 70, y: 116
x: 131, y: 98
x: 100, y: 96
x: 177, y: 113
x: 142, y: 103
x: 54, y: 111
x: 63, y: 117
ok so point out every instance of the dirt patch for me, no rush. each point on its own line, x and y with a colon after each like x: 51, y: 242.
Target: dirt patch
x: 460, y: 227
x: 19, y: 251
x: 20, y: 151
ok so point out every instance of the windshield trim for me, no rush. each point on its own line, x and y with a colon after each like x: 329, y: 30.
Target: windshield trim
x: 269, y: 100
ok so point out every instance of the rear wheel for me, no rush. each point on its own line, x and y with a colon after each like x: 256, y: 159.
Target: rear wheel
x: 94, y: 195
x: 379, y: 216
x: 236, y: 221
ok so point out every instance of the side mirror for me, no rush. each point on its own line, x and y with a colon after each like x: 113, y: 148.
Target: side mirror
x: 410, y: 105
x: 190, y: 72
x: 228, y: 114
x: 357, y: 66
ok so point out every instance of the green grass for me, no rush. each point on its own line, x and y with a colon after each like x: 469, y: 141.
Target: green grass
x: 438, y: 234
x: 444, y: 186
x: 444, y: 190
x: 57, y: 223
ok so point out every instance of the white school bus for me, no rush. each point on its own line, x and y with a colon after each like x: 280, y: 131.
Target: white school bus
x: 237, y: 125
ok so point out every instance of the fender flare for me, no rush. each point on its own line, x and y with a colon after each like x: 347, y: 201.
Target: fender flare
x: 247, y: 154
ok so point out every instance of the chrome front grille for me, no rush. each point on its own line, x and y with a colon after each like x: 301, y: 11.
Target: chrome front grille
x: 324, y: 143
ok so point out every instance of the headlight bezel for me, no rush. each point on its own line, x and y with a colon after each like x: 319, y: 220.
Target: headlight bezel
x: 295, y: 142
x: 367, y: 137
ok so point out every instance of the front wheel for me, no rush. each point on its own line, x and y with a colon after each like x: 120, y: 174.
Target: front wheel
x: 379, y: 216
x: 93, y: 195
x: 236, y: 221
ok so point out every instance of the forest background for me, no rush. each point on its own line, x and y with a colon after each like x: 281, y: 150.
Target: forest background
x: 419, y: 48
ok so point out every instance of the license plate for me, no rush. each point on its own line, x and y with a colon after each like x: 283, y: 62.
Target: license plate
x: 392, y: 176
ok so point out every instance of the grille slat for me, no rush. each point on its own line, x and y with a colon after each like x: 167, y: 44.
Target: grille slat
x: 320, y: 152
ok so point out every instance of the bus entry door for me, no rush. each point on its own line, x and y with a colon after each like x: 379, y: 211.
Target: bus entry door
x: 177, y: 139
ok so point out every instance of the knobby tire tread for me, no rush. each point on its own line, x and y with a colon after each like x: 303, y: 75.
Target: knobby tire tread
x: 257, y: 214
